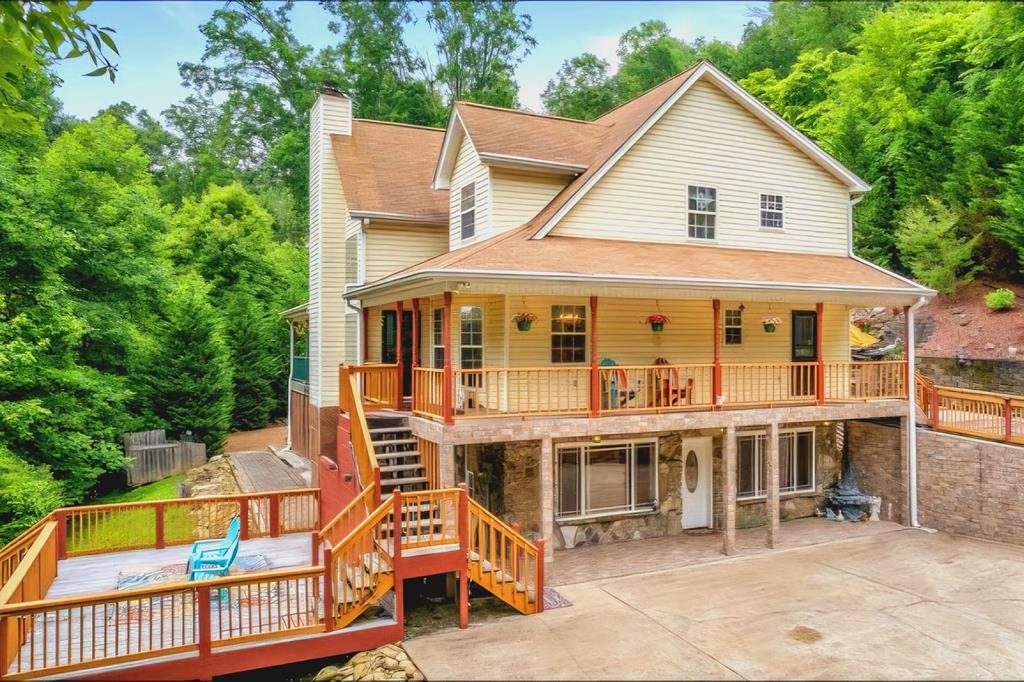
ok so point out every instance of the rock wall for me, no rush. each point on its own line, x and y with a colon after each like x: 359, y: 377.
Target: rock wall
x: 999, y: 376
x: 879, y: 461
x: 970, y: 486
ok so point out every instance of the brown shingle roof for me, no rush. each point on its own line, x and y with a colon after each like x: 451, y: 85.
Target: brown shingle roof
x: 515, y: 251
x: 389, y: 167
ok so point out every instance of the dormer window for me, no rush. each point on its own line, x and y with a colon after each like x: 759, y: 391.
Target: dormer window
x: 467, y: 210
x: 701, y: 210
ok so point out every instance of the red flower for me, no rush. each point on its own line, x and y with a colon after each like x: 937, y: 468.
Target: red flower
x: 657, y: 318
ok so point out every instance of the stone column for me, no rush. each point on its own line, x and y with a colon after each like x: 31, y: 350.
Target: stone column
x: 446, y: 455
x: 771, y: 506
x: 547, y: 498
x: 903, y: 504
x: 729, y: 492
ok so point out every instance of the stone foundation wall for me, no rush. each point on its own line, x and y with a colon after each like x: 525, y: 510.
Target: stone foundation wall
x: 1000, y: 376
x: 827, y: 468
x: 970, y: 486
x: 878, y: 456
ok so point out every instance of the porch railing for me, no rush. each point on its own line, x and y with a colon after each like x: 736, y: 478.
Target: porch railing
x: 379, y: 384
x: 634, y: 388
x: 428, y: 392
x: 522, y: 391
x: 769, y: 383
x: 994, y: 416
x: 869, y: 380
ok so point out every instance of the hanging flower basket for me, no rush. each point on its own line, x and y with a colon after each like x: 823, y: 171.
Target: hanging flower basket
x: 524, y: 321
x: 657, y: 322
x: 771, y: 324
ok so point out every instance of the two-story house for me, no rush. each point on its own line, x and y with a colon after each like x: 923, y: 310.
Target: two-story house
x: 613, y: 329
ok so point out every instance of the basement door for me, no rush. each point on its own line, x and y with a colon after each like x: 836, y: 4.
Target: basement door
x: 697, y: 482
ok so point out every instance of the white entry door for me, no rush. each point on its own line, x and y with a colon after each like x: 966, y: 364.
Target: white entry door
x: 697, y: 482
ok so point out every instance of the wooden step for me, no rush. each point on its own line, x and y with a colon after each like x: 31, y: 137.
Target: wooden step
x: 396, y: 455
x: 390, y: 429
x: 390, y: 468
x: 411, y: 480
x: 396, y: 441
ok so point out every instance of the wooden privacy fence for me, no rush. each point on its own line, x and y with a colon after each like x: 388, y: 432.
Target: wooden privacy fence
x: 154, y: 457
x: 994, y: 416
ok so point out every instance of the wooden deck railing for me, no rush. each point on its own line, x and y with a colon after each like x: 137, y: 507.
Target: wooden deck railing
x: 29, y: 581
x: 431, y: 461
x: 338, y: 528
x: 428, y: 392
x: 429, y: 518
x: 14, y: 551
x: 769, y: 383
x: 993, y: 416
x: 103, y: 528
x: 504, y: 562
x: 362, y: 445
x: 378, y: 384
x: 632, y: 388
x: 867, y: 380
x: 521, y: 391
x: 360, y: 569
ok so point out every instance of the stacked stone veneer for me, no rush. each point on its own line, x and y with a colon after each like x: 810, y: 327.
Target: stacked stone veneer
x: 999, y: 376
x: 970, y: 486
x: 880, y: 463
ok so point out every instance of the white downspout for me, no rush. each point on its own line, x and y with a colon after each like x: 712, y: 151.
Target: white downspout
x: 291, y: 373
x: 912, y: 411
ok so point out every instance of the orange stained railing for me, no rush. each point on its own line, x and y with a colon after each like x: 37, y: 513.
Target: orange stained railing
x: 338, y: 528
x: 924, y: 388
x: 430, y: 459
x: 83, y: 631
x: 136, y: 525
x: 13, y: 552
x: 521, y: 391
x: 428, y: 392
x: 504, y: 562
x: 359, y: 430
x: 629, y: 388
x: 866, y: 380
x: 994, y: 416
x: 429, y: 518
x: 360, y: 569
x: 378, y: 384
x: 769, y: 383
x: 29, y: 581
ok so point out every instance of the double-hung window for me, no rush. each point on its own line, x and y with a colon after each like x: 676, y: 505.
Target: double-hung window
x: 471, y: 339
x: 701, y: 211
x: 608, y: 478
x: 796, y: 463
x: 771, y: 211
x: 467, y: 210
x: 437, y: 337
x: 733, y: 327
x: 568, y: 334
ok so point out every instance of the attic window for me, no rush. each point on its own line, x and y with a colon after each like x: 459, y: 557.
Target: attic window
x: 467, y: 210
x: 701, y: 210
x: 771, y: 211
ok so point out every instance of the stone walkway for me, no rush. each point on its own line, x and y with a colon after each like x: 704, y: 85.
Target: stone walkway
x: 597, y: 562
x: 895, y: 605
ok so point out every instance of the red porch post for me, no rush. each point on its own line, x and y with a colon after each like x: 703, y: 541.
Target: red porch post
x: 539, y: 596
x: 595, y: 373
x: 447, y: 377
x: 463, y: 525
x: 1008, y: 420
x: 243, y: 519
x: 275, y: 514
x: 819, y: 316
x: 400, y: 309
x: 159, y: 511
x: 415, y: 348
x: 716, y: 370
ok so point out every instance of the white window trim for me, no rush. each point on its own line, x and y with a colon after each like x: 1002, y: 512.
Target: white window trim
x: 361, y: 254
x: 785, y: 203
x: 797, y: 491
x: 584, y: 446
x: 463, y: 211
x: 483, y: 334
x: 686, y: 199
x: 434, y: 317
x: 586, y: 336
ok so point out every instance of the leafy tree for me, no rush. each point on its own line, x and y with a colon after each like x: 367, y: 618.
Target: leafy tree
x: 34, y: 33
x: 480, y: 43
x: 581, y: 89
x: 186, y: 379
x: 928, y: 242
x: 27, y: 493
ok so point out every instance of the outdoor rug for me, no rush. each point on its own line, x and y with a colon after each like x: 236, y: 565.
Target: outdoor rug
x: 553, y: 599
x: 146, y: 576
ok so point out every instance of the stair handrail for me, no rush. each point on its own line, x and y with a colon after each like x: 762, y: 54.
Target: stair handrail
x: 344, y: 521
x: 530, y: 550
x: 343, y: 601
x: 366, y: 459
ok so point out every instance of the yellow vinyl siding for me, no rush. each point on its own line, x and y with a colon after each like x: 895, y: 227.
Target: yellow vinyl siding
x: 708, y: 140
x: 468, y: 168
x: 517, y: 197
x: 394, y: 246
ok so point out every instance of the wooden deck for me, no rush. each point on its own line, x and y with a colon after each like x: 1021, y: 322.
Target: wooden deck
x: 168, y: 622
x: 259, y: 472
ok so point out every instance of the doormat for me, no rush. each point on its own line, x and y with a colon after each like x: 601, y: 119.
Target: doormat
x: 553, y: 599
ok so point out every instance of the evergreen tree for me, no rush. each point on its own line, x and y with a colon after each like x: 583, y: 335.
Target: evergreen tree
x: 187, y: 377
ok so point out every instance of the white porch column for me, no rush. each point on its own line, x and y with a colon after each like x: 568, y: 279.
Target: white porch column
x: 729, y: 491
x: 772, y: 474
x: 547, y: 498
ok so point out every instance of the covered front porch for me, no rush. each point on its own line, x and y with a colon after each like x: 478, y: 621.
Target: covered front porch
x: 461, y: 355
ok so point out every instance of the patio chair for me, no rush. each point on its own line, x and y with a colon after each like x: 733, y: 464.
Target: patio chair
x: 210, y: 550
x: 615, y: 389
x: 670, y: 389
x: 207, y: 567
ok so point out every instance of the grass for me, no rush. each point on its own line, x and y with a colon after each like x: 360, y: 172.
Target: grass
x: 164, y: 489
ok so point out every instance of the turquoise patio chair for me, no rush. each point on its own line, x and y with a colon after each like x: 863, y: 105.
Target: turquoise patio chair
x: 213, y: 550
x: 207, y: 567
x: 615, y: 389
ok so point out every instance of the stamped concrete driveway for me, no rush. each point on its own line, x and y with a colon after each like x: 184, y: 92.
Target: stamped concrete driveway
x: 906, y: 604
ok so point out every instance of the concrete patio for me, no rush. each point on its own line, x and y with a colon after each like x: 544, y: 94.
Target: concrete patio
x: 895, y: 605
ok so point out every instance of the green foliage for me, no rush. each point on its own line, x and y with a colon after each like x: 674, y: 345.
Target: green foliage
x: 928, y: 242
x: 186, y: 378
x: 27, y: 493
x: 163, y: 489
x: 1001, y: 299
x: 33, y: 33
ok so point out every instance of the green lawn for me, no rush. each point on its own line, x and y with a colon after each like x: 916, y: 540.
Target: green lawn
x: 166, y: 489
x: 133, y: 526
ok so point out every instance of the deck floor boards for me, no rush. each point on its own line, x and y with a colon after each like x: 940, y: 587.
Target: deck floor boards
x: 261, y: 472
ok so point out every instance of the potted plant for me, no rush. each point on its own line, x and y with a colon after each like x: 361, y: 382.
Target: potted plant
x: 770, y: 324
x: 657, y: 322
x: 524, y: 321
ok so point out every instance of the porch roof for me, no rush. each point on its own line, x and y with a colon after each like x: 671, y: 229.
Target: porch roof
x: 514, y: 255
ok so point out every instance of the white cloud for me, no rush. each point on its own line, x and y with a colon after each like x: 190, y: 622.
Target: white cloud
x: 605, y: 47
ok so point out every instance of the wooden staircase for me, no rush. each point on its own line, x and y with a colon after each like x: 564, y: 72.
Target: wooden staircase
x: 401, y: 466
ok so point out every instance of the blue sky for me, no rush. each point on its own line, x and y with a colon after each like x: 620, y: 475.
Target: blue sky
x: 153, y: 37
